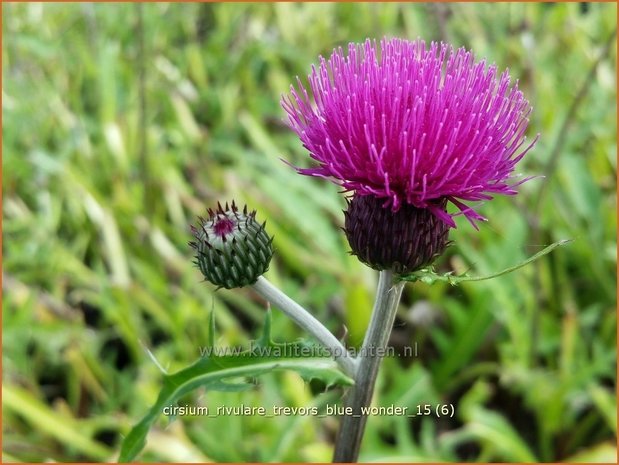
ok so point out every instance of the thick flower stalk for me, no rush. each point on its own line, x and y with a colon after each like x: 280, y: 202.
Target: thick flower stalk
x: 412, y: 124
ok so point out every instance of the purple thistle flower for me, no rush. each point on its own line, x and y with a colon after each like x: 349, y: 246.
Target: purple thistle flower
x: 412, y: 125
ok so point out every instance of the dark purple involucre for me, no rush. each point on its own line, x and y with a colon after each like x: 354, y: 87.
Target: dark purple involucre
x: 412, y: 124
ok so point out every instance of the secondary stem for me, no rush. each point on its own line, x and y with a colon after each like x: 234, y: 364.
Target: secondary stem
x: 383, y: 315
x: 306, y: 321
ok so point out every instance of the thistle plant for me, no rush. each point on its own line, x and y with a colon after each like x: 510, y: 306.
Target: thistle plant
x: 406, y: 129
x: 416, y: 135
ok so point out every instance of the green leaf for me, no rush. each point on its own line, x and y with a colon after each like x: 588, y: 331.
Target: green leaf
x: 43, y: 419
x: 606, y: 403
x: 493, y: 429
x: 211, y: 329
x: 211, y: 373
x: 428, y: 276
x: 265, y: 340
x: 600, y: 453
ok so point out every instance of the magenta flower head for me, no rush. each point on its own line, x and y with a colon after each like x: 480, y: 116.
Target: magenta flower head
x: 409, y: 128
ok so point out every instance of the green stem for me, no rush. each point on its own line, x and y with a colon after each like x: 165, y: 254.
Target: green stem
x: 351, y: 431
x: 307, y: 321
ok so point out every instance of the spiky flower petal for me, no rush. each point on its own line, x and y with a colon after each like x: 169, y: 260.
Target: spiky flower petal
x: 232, y: 248
x: 412, y: 124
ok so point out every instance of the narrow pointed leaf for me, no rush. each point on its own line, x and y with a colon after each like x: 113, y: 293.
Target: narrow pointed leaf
x: 211, y: 372
x: 430, y: 277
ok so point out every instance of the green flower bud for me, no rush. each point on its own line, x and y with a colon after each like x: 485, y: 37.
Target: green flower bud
x: 232, y: 248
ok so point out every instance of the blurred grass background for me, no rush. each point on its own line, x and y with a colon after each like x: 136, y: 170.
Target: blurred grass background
x: 123, y: 122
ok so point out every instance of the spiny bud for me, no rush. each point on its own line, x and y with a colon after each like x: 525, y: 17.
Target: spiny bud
x: 232, y: 248
x: 402, y: 241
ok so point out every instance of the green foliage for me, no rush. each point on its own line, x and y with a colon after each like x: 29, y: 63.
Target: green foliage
x: 214, y: 371
x: 122, y: 123
x: 429, y: 276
